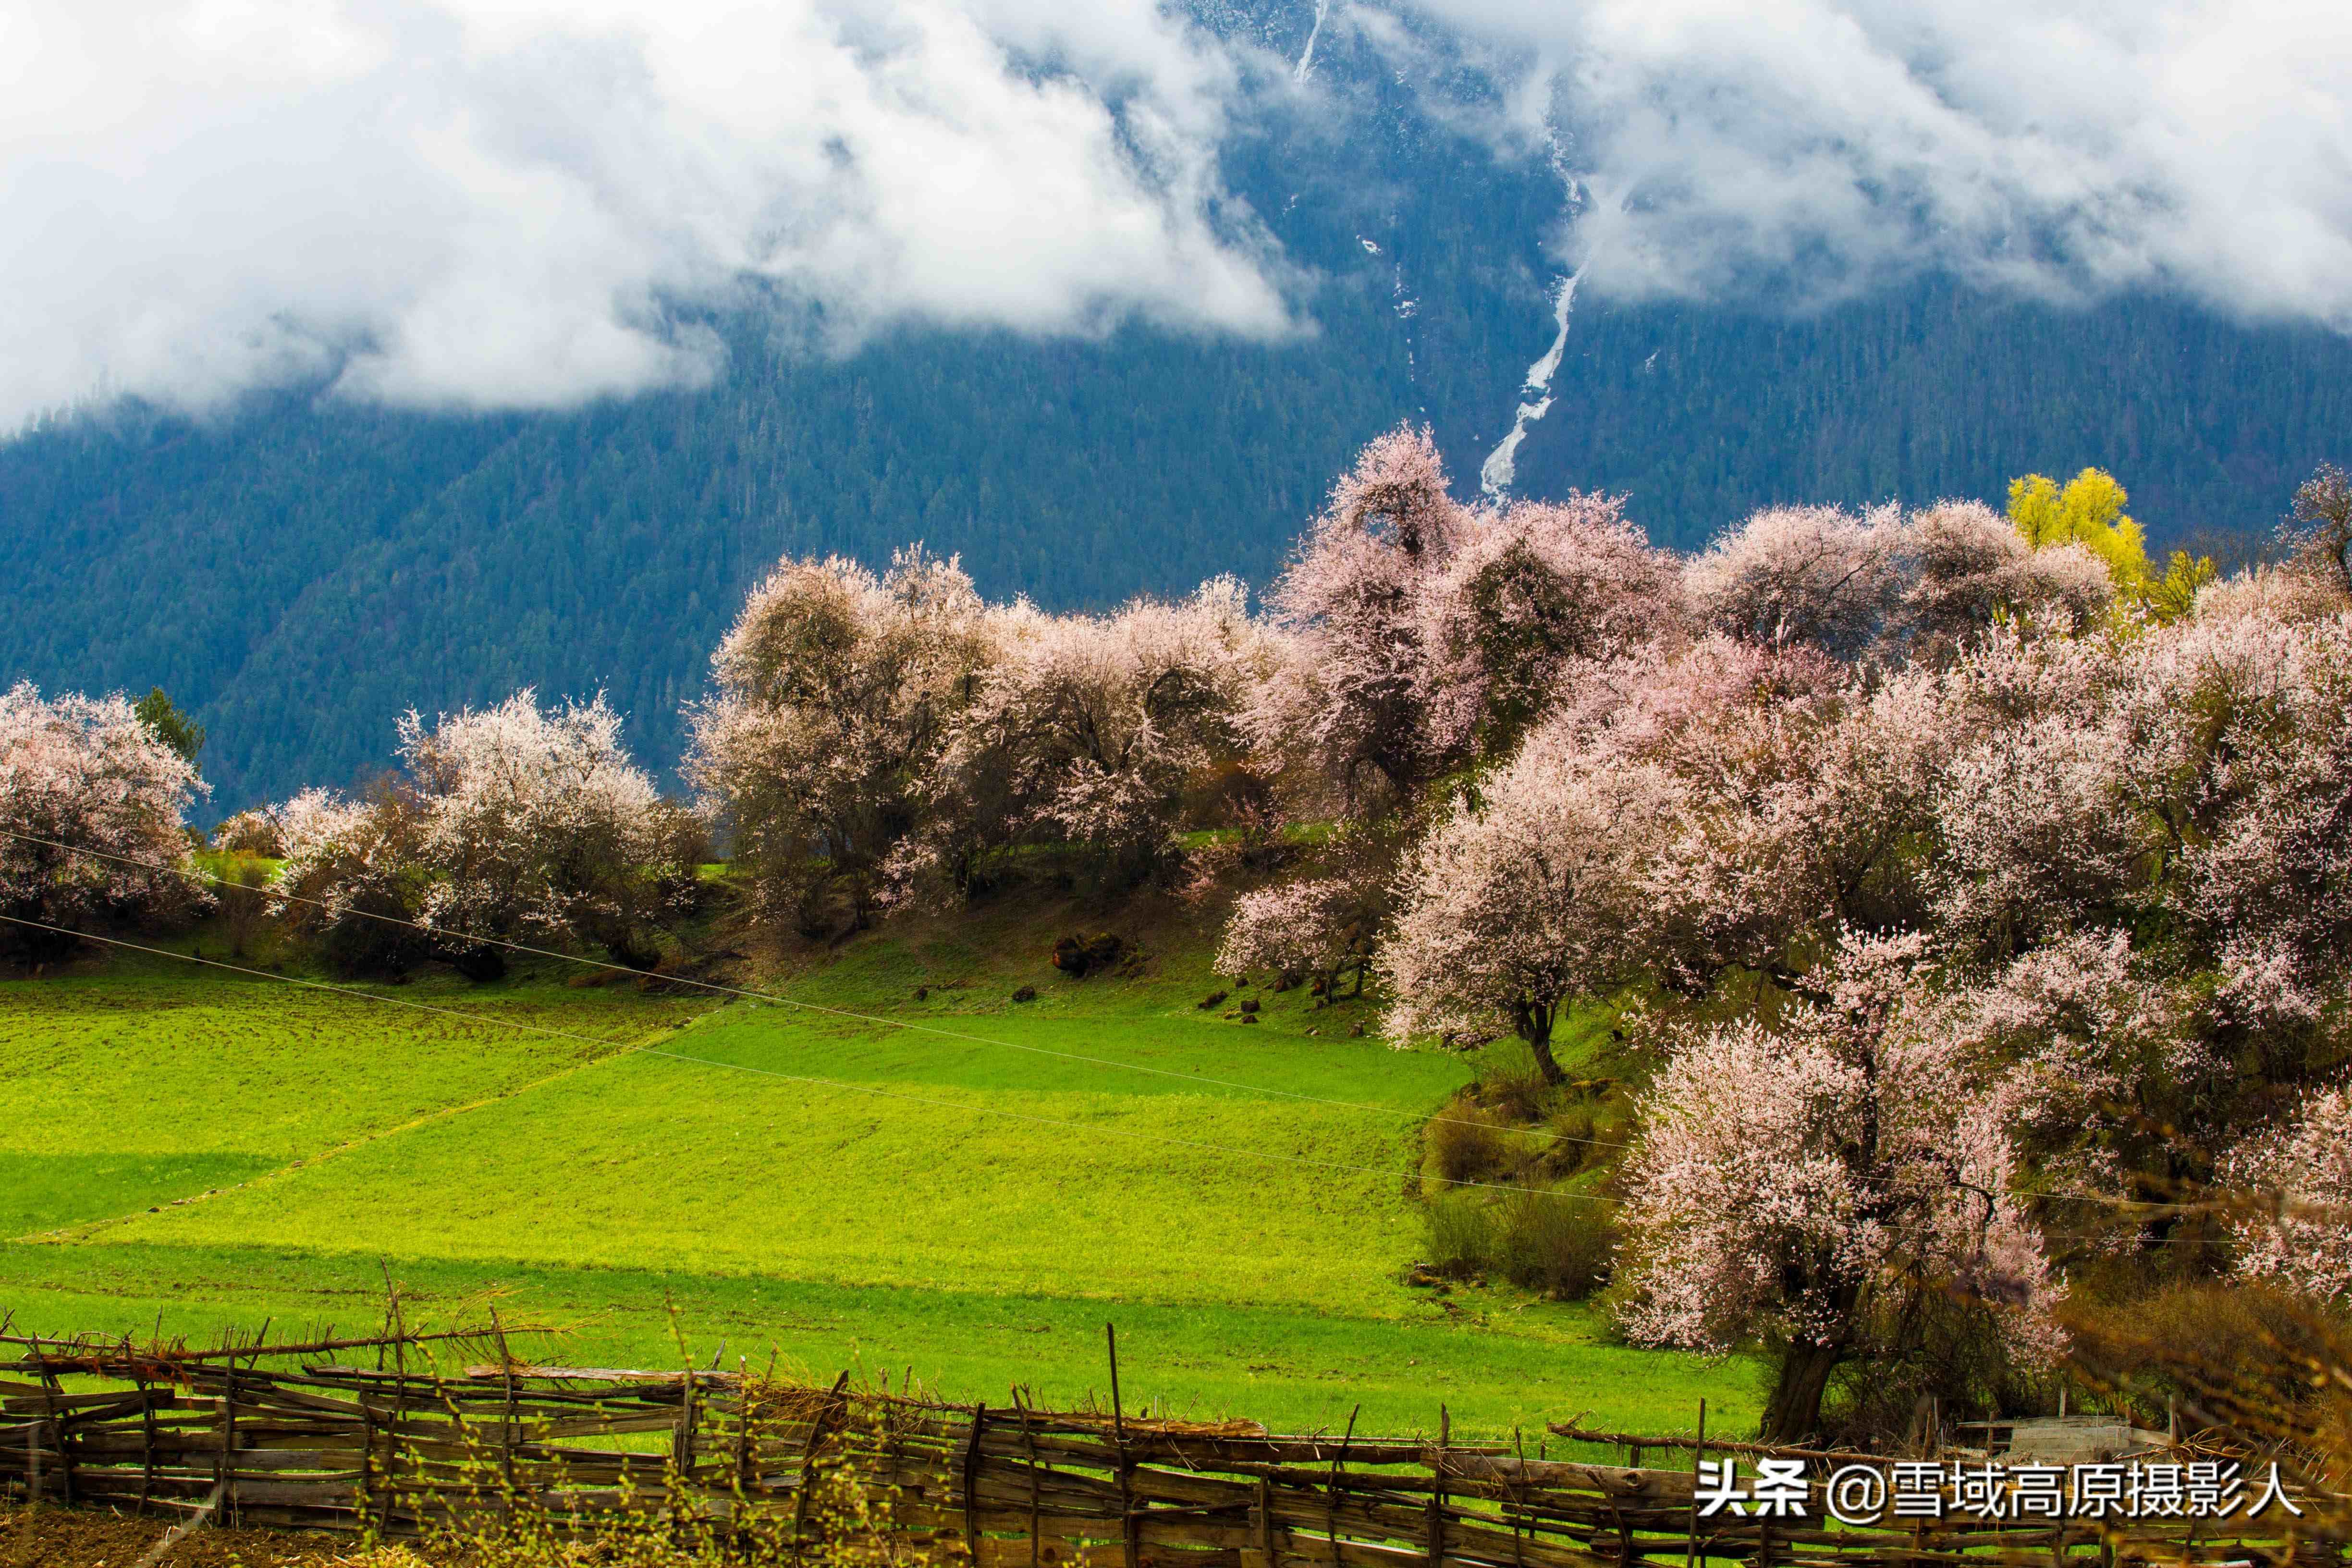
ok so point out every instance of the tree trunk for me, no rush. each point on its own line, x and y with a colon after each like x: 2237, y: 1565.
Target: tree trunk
x: 1795, y: 1411
x: 1534, y: 1023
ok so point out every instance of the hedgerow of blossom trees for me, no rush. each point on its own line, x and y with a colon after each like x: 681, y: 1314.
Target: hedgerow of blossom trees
x: 837, y: 691
x: 512, y: 822
x: 86, y: 772
x: 1086, y: 732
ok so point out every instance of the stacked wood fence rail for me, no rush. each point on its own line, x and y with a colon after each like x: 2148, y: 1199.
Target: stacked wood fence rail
x: 401, y: 1454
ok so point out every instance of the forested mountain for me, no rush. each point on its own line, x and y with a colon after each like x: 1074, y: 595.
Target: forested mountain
x: 301, y: 569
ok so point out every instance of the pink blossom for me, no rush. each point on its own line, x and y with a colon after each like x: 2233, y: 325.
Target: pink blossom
x: 1352, y: 595
x: 1531, y: 595
x: 1792, y: 1176
x: 1968, y: 567
x: 1087, y: 730
x: 837, y: 691
x: 84, y: 774
x: 528, y: 819
x: 2299, y: 1234
x: 1802, y: 574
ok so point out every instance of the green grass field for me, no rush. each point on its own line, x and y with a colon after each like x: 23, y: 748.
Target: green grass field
x: 186, y: 1147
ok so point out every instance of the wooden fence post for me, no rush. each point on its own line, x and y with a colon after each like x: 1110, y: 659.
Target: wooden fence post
x: 1331, y: 1486
x: 1130, y: 1527
x: 367, y: 1466
x: 742, y: 1426
x: 146, y: 1443
x: 1036, y: 1501
x: 1514, y: 1507
x: 971, y: 1483
x: 32, y: 1487
x: 1699, y: 1453
x: 506, y: 1418
x: 807, y: 1482
x: 1437, y: 1489
x: 227, y: 1474
x: 681, y: 1448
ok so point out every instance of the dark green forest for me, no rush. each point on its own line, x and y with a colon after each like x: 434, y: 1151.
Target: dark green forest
x: 299, y: 569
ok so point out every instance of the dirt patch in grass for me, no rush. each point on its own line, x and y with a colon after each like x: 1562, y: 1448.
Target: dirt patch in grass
x: 91, y: 1537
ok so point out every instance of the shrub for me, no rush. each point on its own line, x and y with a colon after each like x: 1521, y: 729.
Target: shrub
x: 1510, y: 1083
x: 1464, y: 1144
x: 1079, y: 957
x: 1461, y: 1236
x: 1554, y: 1241
x: 256, y: 832
x: 244, y: 901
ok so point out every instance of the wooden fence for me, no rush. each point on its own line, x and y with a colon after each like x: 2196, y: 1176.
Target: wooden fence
x: 398, y: 1453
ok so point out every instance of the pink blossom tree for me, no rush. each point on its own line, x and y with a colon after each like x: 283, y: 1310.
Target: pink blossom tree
x: 2237, y: 733
x: 1531, y: 595
x: 1806, y: 1183
x: 352, y: 885
x: 837, y: 691
x: 257, y: 830
x: 1353, y: 595
x: 532, y: 821
x: 92, y: 802
x: 1690, y: 813
x: 2034, y: 832
x: 1965, y: 567
x: 1086, y: 730
x: 1319, y: 929
x: 2293, y: 1226
x: 515, y: 822
x: 1808, y: 574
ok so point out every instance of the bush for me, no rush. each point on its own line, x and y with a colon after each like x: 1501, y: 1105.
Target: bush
x: 1461, y: 1236
x: 244, y: 893
x: 1556, y: 1241
x: 1465, y: 1144
x: 1079, y: 957
x: 1509, y: 1082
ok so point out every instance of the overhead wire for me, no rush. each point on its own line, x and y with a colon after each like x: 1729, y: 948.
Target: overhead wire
x: 882, y: 1020
x: 885, y: 1021
x: 618, y: 1049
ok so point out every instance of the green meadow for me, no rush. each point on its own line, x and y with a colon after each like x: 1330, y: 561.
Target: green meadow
x: 952, y: 1186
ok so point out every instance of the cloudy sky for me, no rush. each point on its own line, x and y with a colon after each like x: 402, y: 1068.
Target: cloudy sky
x: 497, y: 203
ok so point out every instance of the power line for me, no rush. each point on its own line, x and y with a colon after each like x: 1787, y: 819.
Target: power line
x: 745, y: 993
x: 741, y: 992
x: 1090, y: 1128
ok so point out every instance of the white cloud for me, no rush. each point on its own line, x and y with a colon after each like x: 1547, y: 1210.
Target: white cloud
x: 2061, y: 147
x: 497, y: 201
x: 492, y: 202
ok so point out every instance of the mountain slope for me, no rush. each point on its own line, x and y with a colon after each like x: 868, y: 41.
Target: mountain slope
x: 300, y: 570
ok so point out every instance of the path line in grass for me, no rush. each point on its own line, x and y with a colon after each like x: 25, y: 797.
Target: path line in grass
x: 648, y: 1049
x: 613, y: 1048
x: 888, y: 1023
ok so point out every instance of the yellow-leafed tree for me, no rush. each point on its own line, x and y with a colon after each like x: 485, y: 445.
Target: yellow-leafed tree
x: 2088, y: 511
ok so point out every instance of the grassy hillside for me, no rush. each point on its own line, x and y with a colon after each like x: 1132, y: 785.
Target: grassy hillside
x: 970, y: 1198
